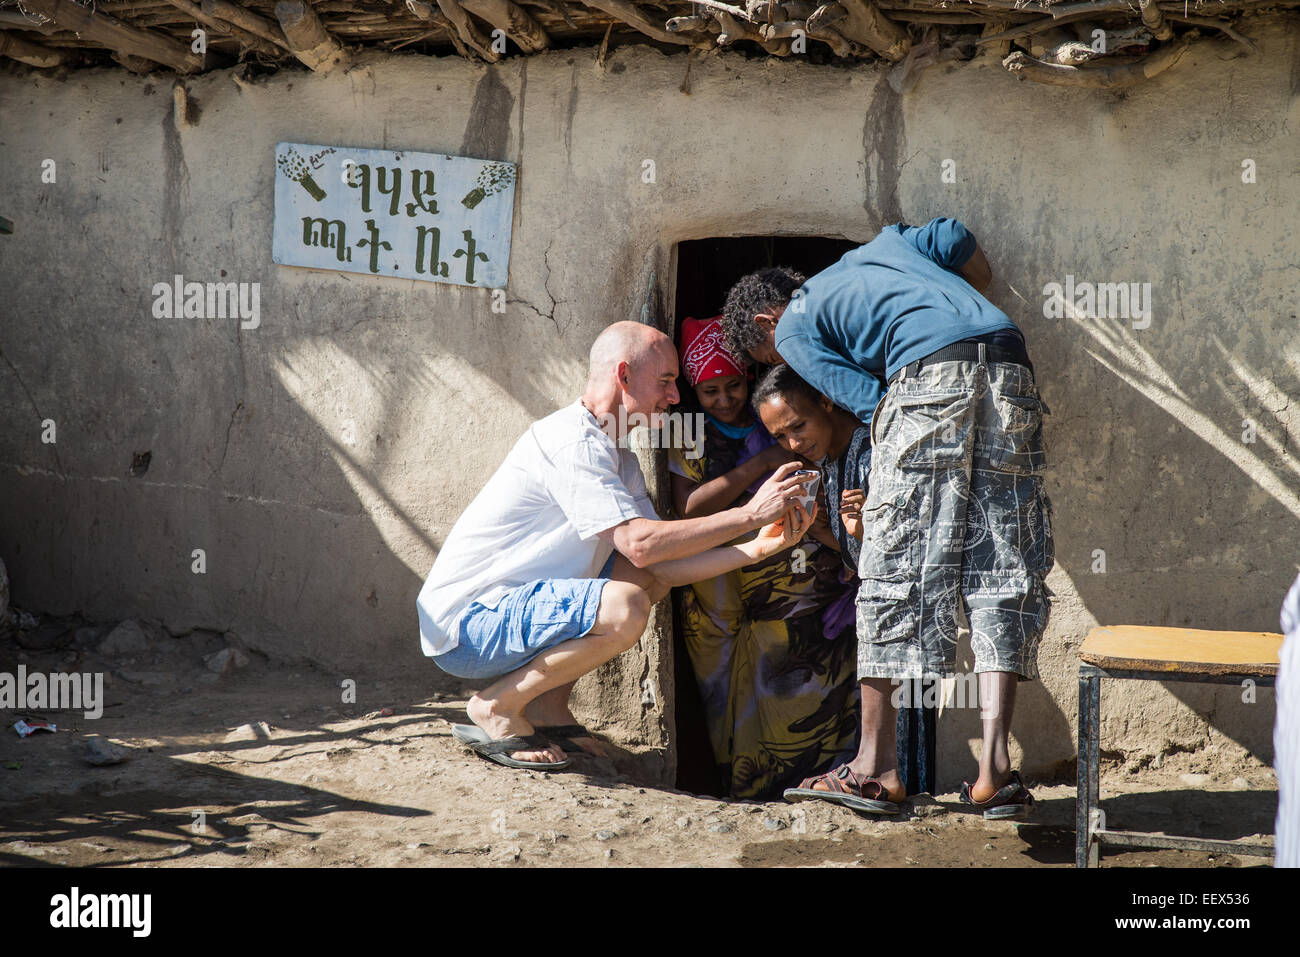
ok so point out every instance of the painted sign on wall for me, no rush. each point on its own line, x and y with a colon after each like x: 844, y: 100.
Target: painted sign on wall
x: 393, y: 213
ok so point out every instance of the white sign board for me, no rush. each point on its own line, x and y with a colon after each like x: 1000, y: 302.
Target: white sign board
x: 393, y: 213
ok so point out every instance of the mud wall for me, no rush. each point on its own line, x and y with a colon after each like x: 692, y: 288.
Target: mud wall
x: 320, y: 458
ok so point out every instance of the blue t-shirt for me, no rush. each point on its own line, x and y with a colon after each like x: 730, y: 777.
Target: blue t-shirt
x: 889, y: 302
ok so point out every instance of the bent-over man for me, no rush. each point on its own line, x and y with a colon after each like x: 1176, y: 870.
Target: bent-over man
x: 957, y: 524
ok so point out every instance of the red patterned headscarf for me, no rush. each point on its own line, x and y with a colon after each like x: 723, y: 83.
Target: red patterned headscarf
x: 703, y: 354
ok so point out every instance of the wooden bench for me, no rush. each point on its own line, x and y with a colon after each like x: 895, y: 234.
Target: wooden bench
x: 1157, y: 654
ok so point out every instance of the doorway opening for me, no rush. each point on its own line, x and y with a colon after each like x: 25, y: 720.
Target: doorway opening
x: 706, y: 271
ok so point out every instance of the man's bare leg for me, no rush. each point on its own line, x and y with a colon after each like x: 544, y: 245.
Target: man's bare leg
x: 552, y: 707
x: 499, y: 708
x: 878, y: 749
x: 997, y: 701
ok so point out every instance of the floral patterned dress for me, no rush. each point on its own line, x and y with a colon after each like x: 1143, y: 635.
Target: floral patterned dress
x: 773, y: 646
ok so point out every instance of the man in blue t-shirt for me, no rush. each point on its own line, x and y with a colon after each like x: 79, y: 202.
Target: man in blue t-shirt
x: 957, y: 525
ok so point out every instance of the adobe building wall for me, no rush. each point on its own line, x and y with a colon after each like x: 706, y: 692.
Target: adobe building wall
x: 320, y: 458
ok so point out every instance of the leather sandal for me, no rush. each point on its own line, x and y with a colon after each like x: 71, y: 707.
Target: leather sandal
x: 1012, y: 800
x: 842, y: 786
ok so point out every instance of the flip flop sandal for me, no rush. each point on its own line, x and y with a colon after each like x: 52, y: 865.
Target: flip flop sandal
x: 564, y: 734
x: 500, y: 749
x: 846, y: 788
x: 1013, y: 800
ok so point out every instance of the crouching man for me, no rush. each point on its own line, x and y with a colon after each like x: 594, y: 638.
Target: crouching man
x: 553, y: 568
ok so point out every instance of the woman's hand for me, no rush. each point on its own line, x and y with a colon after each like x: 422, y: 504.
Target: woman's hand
x: 851, y: 502
x: 780, y: 535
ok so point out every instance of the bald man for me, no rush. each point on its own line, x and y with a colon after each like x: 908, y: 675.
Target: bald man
x: 553, y: 568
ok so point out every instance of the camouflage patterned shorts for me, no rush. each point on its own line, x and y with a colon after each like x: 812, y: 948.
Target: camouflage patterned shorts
x: 957, y: 525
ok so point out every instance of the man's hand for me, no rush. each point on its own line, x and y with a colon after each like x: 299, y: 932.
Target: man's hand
x: 851, y: 502
x: 777, y: 495
x: 779, y: 536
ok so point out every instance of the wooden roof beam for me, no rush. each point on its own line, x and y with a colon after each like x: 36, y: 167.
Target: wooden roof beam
x: 33, y: 54
x: 1154, y: 21
x: 470, y: 35
x: 248, y: 21
x: 115, y: 35
x: 250, y: 40
x: 635, y: 17
x: 513, y: 20
x: 865, y: 24
x: 1102, y: 77
x: 308, y: 39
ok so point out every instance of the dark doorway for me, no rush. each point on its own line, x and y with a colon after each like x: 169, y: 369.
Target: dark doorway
x: 706, y: 271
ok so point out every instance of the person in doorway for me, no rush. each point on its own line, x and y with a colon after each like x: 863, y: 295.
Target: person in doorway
x: 956, y: 516
x: 808, y: 424
x: 553, y: 568
x: 772, y: 643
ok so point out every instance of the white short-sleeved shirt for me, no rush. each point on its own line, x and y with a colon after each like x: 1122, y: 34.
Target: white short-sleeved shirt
x: 563, y: 483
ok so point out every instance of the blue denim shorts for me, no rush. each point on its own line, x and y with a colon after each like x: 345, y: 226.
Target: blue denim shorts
x: 529, y: 619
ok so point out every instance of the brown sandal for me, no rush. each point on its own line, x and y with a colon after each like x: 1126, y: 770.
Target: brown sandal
x: 1012, y: 800
x: 844, y: 787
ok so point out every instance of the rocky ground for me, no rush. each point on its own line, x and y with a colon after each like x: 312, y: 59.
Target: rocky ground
x: 207, y: 755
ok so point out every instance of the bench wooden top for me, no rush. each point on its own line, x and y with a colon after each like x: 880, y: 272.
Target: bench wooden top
x: 1187, y: 650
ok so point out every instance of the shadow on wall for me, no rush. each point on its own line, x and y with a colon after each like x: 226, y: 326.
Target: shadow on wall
x: 1225, y: 564
x: 395, y: 402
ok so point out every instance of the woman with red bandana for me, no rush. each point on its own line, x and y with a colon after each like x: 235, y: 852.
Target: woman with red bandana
x: 773, y: 644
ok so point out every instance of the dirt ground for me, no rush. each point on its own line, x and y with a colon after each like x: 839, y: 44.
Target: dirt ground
x: 284, y: 773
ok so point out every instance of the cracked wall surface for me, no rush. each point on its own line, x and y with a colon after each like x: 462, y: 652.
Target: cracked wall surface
x: 321, y: 458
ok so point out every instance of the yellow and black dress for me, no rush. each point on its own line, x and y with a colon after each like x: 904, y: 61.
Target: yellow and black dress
x: 773, y: 646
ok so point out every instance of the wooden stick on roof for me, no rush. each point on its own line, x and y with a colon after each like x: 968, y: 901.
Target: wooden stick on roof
x: 470, y: 35
x: 1102, y: 78
x: 634, y: 16
x: 1154, y: 20
x: 310, y: 41
x: 16, y: 21
x: 426, y: 11
x: 104, y: 30
x: 735, y: 11
x: 868, y: 26
x: 513, y: 20
x: 33, y: 54
x: 251, y: 40
x: 821, y: 26
x: 1225, y: 28
x: 1032, y: 27
x: 247, y: 20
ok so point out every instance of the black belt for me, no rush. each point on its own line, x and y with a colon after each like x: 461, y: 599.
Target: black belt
x: 966, y: 351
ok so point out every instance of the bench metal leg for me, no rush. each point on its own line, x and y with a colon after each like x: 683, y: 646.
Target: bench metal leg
x: 1088, y: 797
x: 1091, y: 831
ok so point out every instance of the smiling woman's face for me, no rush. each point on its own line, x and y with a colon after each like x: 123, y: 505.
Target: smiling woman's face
x: 724, y: 398
x: 798, y: 425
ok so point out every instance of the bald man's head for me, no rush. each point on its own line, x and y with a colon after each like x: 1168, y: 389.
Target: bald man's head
x: 633, y: 365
